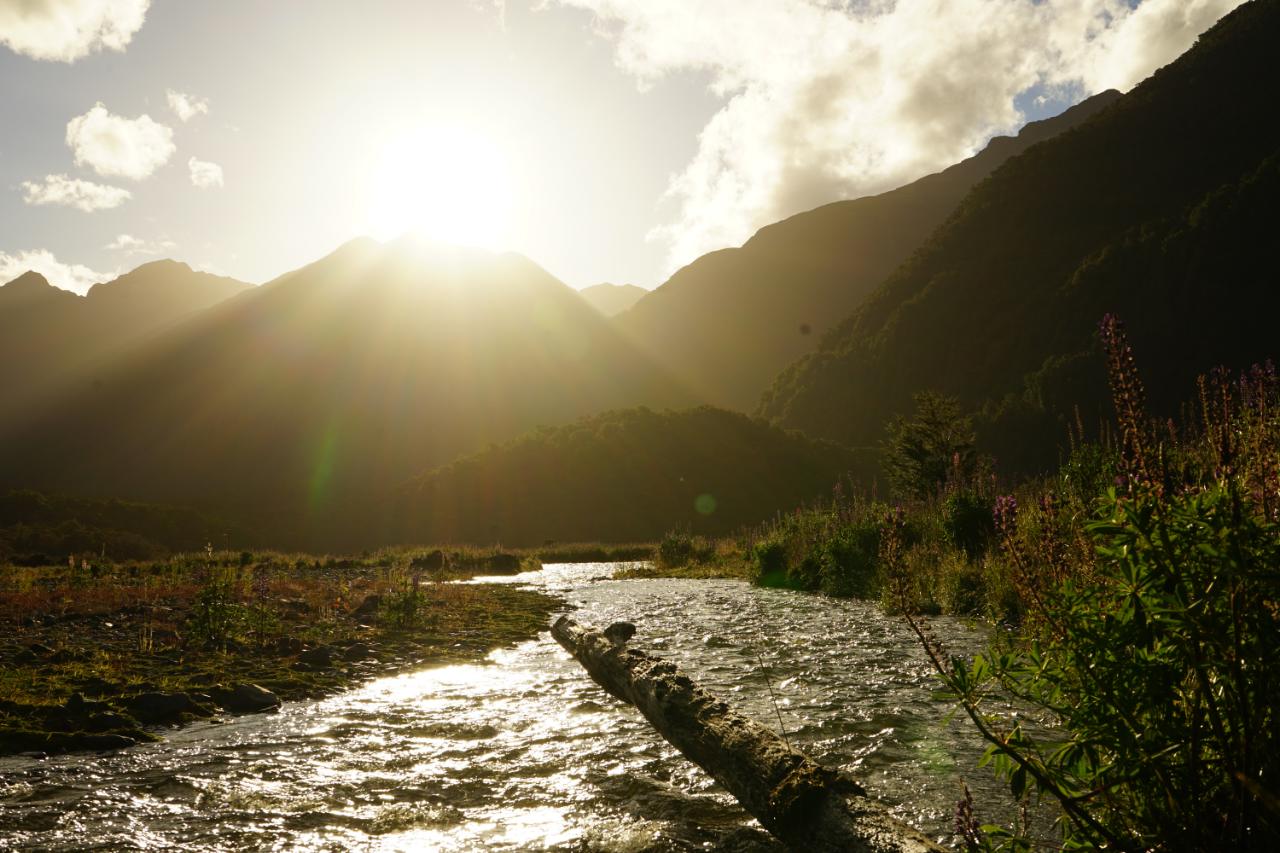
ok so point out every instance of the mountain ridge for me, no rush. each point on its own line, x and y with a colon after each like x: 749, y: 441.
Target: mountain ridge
x: 1140, y: 212
x: 728, y: 322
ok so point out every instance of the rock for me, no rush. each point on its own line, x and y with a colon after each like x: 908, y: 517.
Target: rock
x: 368, y: 608
x: 102, y: 742
x: 154, y: 707
x: 107, y: 722
x: 245, y: 698
x: 320, y: 656
x: 95, y: 686
x: 288, y: 646
x: 619, y: 632
x: 357, y: 652
x: 40, y: 649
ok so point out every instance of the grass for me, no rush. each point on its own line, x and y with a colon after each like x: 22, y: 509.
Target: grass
x: 108, y: 632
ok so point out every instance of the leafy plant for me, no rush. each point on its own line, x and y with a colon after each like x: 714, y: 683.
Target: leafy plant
x: 1154, y: 638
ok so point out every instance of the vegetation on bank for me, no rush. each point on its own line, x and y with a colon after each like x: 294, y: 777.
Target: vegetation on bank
x: 97, y: 652
x: 621, y: 476
x: 1142, y: 211
x: 1141, y: 596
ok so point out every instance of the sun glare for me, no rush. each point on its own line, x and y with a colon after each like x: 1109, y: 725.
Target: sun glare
x: 443, y: 183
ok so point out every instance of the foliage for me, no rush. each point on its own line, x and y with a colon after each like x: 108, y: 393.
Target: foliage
x: 1140, y: 211
x: 935, y: 444
x: 830, y: 547
x: 623, y: 476
x: 1152, y: 633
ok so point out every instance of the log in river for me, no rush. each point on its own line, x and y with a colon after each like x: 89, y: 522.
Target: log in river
x: 803, y: 804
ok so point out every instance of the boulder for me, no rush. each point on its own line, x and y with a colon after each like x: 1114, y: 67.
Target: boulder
x: 368, y: 609
x: 320, y: 656
x: 357, y: 652
x: 245, y: 698
x: 154, y: 707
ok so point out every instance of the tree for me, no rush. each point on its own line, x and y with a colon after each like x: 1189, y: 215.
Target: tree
x: 923, y: 451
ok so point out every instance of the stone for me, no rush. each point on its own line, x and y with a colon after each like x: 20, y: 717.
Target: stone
x: 368, y: 608
x: 245, y: 698
x: 357, y: 652
x: 320, y: 656
x: 154, y: 707
x: 619, y: 632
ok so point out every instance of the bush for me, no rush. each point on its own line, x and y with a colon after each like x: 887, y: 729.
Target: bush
x: 769, y: 559
x: 848, y: 561
x: 675, y: 549
x: 967, y: 522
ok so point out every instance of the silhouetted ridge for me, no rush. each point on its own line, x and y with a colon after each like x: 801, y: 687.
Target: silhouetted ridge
x: 611, y: 299
x: 1159, y: 210
x: 626, y: 475
x: 334, y: 383
x: 730, y: 321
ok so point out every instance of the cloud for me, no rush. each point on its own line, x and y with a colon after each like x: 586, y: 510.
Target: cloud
x: 73, y: 277
x: 131, y: 245
x: 823, y: 99
x: 115, y: 146
x: 187, y: 107
x: 204, y: 174
x: 66, y: 30
x: 73, y: 192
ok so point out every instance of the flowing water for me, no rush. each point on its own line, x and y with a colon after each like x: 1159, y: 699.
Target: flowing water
x: 524, y: 752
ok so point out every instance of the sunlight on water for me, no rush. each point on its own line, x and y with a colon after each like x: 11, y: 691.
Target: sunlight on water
x: 523, y: 751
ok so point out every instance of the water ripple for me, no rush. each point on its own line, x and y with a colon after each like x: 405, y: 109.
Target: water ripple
x: 524, y: 752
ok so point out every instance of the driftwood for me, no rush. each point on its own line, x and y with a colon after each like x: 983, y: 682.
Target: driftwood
x: 804, y: 805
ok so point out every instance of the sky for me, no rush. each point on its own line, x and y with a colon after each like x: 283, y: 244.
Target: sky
x: 608, y: 140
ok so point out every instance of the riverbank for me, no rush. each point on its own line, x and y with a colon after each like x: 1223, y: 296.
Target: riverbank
x: 100, y: 655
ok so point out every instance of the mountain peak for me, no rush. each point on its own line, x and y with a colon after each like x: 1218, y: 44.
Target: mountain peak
x: 610, y: 299
x: 28, y: 280
x: 32, y: 287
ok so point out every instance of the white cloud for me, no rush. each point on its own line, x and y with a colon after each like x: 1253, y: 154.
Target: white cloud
x: 67, y: 30
x: 131, y: 245
x: 204, y: 174
x: 115, y: 146
x: 824, y: 99
x: 73, y: 277
x: 187, y: 107
x: 73, y: 192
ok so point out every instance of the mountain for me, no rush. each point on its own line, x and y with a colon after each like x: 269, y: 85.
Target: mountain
x: 727, y: 323
x: 158, y: 293
x: 47, y: 334
x: 621, y: 476
x: 1160, y: 210
x: 335, y: 382
x: 611, y: 299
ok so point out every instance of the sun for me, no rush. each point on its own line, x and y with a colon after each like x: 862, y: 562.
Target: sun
x: 443, y: 183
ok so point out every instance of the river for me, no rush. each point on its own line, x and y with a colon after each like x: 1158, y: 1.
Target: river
x: 524, y: 752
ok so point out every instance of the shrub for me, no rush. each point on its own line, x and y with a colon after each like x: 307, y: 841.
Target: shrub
x: 769, y: 559
x: 676, y: 548
x: 967, y: 522
x: 848, y: 560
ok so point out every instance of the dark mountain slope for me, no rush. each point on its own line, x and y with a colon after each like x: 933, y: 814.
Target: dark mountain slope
x: 731, y: 320
x: 611, y: 299
x: 1160, y: 210
x: 621, y: 476
x: 334, y: 382
x: 47, y: 334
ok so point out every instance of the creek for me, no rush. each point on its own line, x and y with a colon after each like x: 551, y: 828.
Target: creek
x: 523, y: 751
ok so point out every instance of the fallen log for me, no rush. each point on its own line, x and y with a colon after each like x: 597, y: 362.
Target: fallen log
x: 803, y: 804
